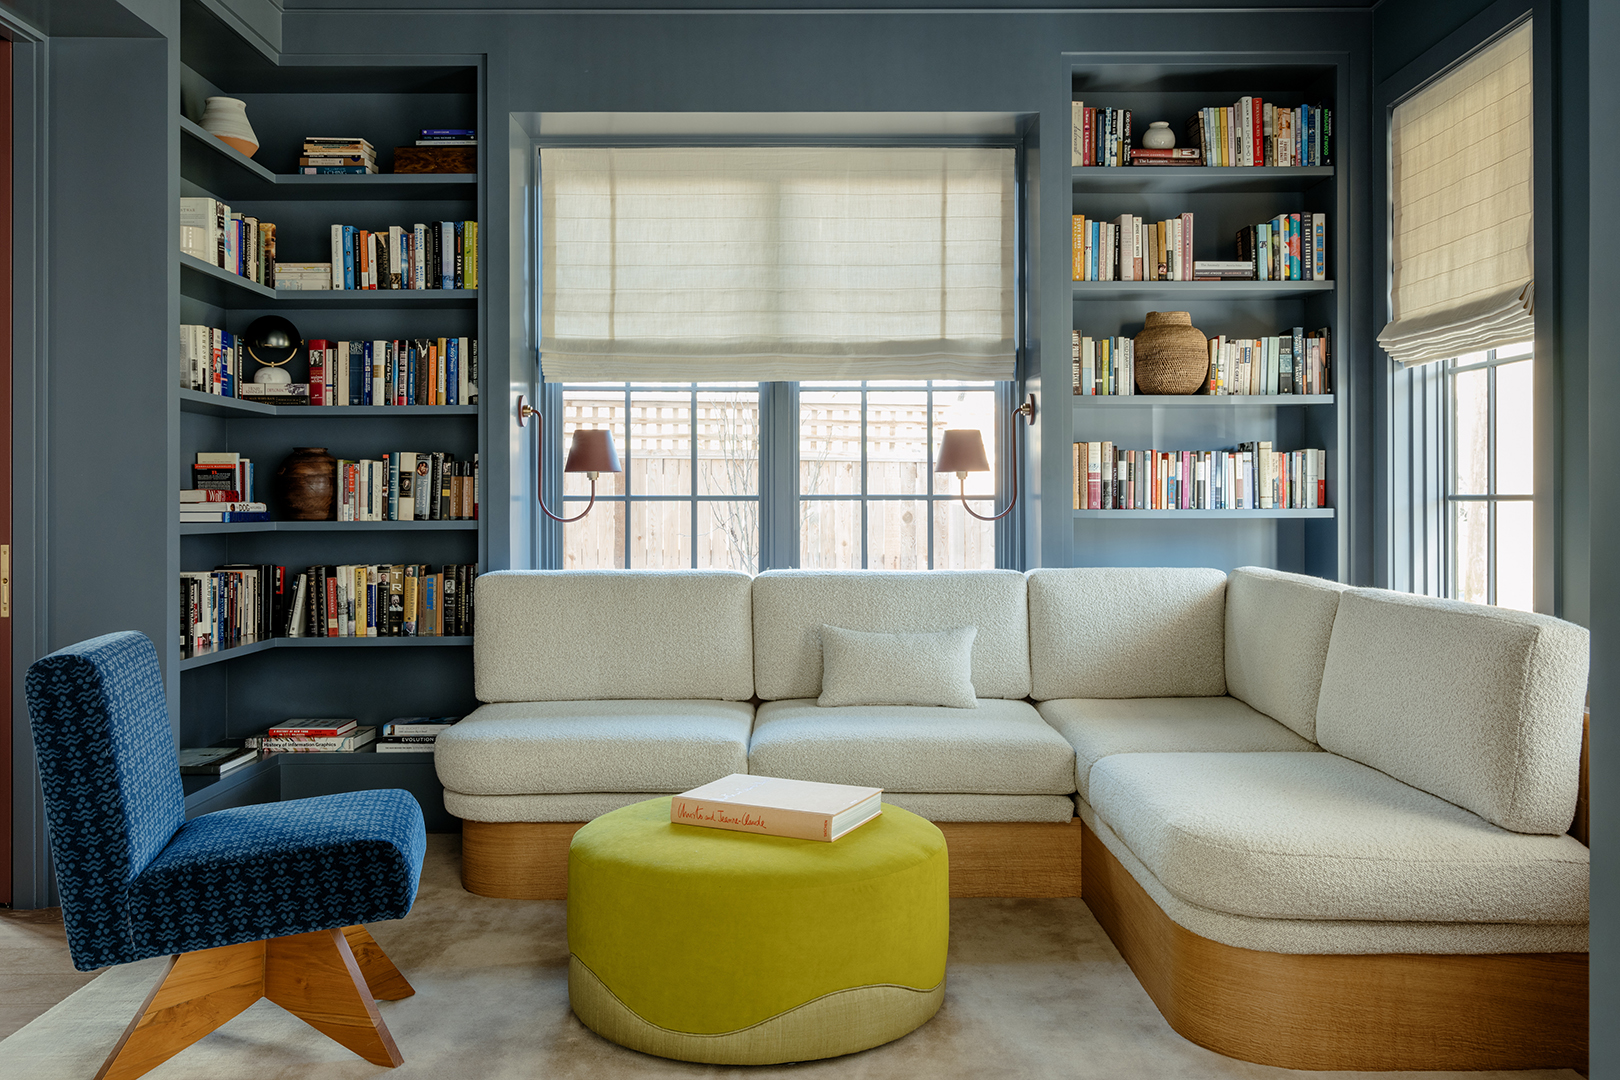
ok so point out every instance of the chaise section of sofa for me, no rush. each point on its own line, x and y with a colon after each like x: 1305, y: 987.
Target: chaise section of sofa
x: 1406, y: 899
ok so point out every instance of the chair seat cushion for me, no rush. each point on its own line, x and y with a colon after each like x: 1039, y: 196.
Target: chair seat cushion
x: 569, y: 747
x: 1318, y: 836
x: 999, y: 748
x: 292, y: 867
x: 1099, y: 727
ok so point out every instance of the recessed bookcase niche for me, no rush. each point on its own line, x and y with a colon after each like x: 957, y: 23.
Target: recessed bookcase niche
x: 1222, y: 201
x: 230, y: 694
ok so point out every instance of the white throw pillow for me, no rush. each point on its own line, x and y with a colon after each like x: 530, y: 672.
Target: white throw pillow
x: 858, y: 668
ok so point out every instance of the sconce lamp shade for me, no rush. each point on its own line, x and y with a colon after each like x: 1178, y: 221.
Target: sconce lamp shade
x: 962, y: 451
x: 592, y: 451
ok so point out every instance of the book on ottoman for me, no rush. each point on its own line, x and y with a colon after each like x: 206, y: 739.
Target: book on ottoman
x: 777, y: 807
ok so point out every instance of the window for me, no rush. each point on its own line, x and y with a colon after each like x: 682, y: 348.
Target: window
x: 1490, y: 476
x: 689, y: 496
x: 691, y: 458
x: 868, y: 494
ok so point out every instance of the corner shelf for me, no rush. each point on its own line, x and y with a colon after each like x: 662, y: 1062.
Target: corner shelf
x: 1196, y: 179
x: 1197, y: 290
x: 1204, y: 515
x: 227, y: 172
x: 196, y: 528
x: 1198, y: 401
x: 195, y: 401
x: 236, y: 652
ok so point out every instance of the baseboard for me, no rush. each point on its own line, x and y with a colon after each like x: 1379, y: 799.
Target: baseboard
x: 528, y: 860
x: 1387, y: 1012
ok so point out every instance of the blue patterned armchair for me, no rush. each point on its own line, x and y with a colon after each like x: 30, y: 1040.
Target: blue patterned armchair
x: 251, y: 902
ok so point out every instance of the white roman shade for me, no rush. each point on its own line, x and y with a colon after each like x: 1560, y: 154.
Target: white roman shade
x: 776, y: 263
x: 1461, y: 158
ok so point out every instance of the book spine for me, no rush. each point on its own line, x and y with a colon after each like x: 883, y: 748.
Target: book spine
x: 740, y: 817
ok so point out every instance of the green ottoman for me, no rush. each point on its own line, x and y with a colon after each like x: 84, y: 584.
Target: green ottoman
x: 736, y: 949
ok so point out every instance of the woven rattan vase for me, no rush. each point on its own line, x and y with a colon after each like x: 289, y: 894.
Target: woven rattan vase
x: 1172, y: 356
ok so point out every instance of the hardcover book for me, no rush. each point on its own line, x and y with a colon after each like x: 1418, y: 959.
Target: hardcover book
x: 771, y: 806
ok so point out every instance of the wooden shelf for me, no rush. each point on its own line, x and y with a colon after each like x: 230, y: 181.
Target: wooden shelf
x: 211, y: 284
x: 1197, y: 179
x: 1204, y: 515
x: 195, y: 401
x: 1198, y: 401
x: 226, y: 173
x: 188, y: 663
x: 1183, y: 291
x: 196, y: 528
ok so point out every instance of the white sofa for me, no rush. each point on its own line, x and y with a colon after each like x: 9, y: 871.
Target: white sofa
x: 1260, y: 764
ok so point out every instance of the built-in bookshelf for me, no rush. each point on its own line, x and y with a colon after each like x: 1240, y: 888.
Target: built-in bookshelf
x: 1222, y: 200
x: 227, y: 694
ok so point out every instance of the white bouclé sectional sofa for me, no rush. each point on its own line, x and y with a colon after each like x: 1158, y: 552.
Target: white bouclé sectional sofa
x: 1346, y: 808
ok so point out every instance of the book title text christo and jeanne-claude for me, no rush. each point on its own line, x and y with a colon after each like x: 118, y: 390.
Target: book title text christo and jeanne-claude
x: 717, y: 814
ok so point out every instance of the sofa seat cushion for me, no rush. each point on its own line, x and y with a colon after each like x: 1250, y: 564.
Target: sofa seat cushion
x: 558, y: 747
x: 1318, y: 836
x: 999, y: 748
x: 1100, y: 727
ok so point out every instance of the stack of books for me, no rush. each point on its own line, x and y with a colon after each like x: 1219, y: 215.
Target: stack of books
x: 412, y: 734
x: 1252, y: 477
x: 1131, y: 249
x: 210, y: 360
x: 313, y: 737
x: 408, y: 485
x: 303, y: 276
x: 1289, y: 247
x: 1289, y: 363
x: 1252, y: 132
x: 339, y: 155
x: 234, y: 604
x: 221, y: 490
x: 448, y: 137
x: 214, y: 760
x: 1104, y: 367
x: 245, y: 246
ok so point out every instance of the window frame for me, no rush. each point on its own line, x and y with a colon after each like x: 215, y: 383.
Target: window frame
x: 1490, y: 497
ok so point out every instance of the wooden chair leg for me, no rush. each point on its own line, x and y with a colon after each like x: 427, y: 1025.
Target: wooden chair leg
x: 199, y: 991
x: 315, y: 977
x: 384, y: 979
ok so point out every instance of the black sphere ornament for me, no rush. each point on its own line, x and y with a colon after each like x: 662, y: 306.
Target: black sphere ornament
x: 273, y: 342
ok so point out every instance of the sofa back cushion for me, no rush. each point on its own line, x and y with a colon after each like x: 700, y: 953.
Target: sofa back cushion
x: 577, y: 635
x: 1478, y: 705
x: 1107, y: 632
x: 790, y: 607
x: 1277, y: 630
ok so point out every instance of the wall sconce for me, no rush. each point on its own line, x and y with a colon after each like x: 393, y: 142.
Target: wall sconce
x: 962, y: 452
x: 590, y: 452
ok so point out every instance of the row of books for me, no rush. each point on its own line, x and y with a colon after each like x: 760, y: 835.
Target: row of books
x: 1104, y: 367
x: 243, y: 245
x: 439, y: 255
x: 384, y: 600
x: 210, y: 360
x: 404, y: 371
x: 1131, y: 249
x: 233, y: 604
x: 1251, y: 477
x: 1252, y: 132
x: 1294, y: 363
x: 1289, y: 247
x: 407, y: 485
x: 221, y: 490
x: 337, y: 155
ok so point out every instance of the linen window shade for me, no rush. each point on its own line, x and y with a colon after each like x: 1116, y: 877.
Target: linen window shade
x: 776, y: 263
x: 1462, y: 157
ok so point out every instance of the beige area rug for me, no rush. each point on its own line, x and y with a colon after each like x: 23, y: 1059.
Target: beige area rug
x: 1033, y: 989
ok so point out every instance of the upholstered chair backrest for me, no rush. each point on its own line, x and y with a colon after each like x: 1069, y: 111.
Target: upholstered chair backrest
x: 1277, y: 630
x: 111, y: 780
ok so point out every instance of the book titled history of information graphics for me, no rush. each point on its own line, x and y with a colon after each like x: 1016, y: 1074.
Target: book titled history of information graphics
x: 772, y: 806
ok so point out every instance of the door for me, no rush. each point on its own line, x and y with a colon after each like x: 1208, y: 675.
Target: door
x: 5, y: 473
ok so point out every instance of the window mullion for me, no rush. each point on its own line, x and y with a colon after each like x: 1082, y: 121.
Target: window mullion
x: 928, y: 466
x: 864, y: 492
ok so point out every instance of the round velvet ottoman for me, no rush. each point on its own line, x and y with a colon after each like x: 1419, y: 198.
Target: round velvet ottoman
x: 737, y: 949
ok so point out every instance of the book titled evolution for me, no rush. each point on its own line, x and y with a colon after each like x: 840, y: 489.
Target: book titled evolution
x: 771, y: 806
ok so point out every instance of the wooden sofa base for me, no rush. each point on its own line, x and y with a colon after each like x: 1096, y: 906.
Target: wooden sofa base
x: 517, y: 860
x: 1398, y: 1011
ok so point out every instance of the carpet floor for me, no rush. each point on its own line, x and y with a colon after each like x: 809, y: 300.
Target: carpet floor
x: 1034, y: 989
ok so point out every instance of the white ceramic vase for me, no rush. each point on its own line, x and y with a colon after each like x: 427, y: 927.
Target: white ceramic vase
x: 1158, y: 136
x: 226, y: 119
